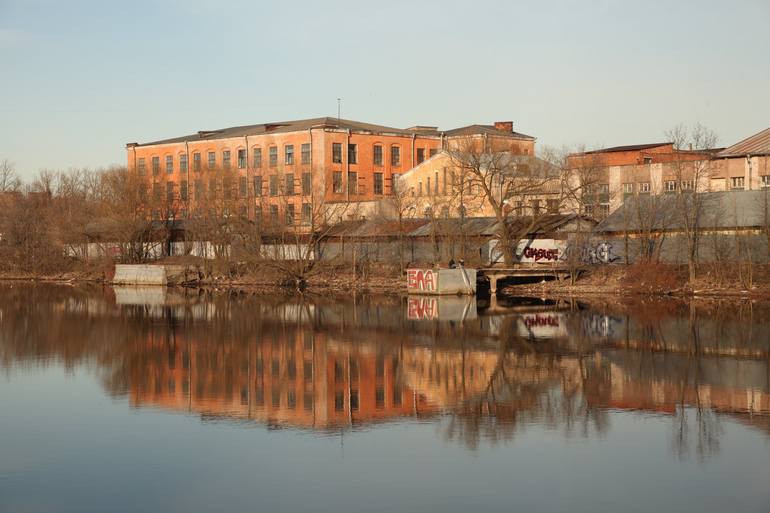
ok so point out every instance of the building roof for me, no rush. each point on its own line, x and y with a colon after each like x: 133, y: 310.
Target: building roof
x: 487, y: 226
x: 334, y: 123
x: 630, y: 147
x: 720, y: 210
x: 757, y: 144
x: 485, y: 129
x: 287, y: 126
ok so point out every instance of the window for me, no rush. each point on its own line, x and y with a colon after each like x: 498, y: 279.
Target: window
x: 289, y: 214
x: 420, y: 155
x: 227, y: 187
x: 243, y: 186
x: 379, y: 398
x: 644, y: 187
x: 419, y: 189
x: 604, y: 193
x: 377, y: 155
x: 169, y: 164
x: 143, y: 191
x: 337, y: 153
x: 272, y: 156
x: 307, y: 184
x: 648, y: 160
x: 588, y: 209
x: 352, y: 183
x: 212, y: 160
x: 241, y: 159
x: 183, y: 163
x: 198, y: 190
x: 378, y: 183
x: 337, y: 182
x: 394, y: 182
x: 155, y: 165
x: 445, y: 212
x: 352, y: 154
x: 305, y: 153
x: 256, y: 155
x: 765, y: 180
x: 432, y: 152
x: 687, y: 185
x: 226, y: 159
x: 737, y: 182
x: 552, y: 206
x: 212, y: 188
x: 183, y: 190
x: 670, y: 185
x: 140, y: 167
x: 339, y: 401
x: 354, y: 400
x: 628, y: 188
x: 258, y: 185
x: 273, y: 185
x: 427, y: 186
x: 307, y: 213
x: 290, y: 184
x: 170, y: 191
x: 274, y: 214
x: 288, y: 151
x: 435, y: 183
x: 535, y: 204
x: 196, y: 161
x: 395, y: 155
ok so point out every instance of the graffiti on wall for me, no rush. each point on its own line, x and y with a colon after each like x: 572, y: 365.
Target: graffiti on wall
x: 421, y: 280
x: 599, y: 253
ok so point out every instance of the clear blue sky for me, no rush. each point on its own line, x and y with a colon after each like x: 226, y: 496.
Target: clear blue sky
x: 82, y: 78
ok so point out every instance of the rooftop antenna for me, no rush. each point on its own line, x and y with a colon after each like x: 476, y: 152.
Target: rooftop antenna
x: 339, y: 100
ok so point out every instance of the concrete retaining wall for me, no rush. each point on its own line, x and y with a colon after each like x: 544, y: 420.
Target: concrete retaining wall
x: 129, y: 274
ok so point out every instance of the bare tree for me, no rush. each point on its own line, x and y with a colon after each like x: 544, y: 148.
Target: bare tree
x: 9, y: 179
x: 511, y: 186
x: 691, y: 167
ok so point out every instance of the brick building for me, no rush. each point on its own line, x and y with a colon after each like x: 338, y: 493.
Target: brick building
x: 281, y: 172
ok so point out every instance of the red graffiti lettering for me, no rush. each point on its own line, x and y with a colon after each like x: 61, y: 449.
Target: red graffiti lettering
x: 422, y: 280
x: 541, y: 254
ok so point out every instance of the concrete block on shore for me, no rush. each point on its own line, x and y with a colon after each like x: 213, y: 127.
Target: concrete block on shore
x: 136, y: 274
x: 440, y: 282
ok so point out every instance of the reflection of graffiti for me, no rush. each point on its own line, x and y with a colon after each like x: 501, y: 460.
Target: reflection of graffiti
x: 422, y: 308
x: 423, y: 280
x: 601, y: 326
x: 541, y: 320
x: 600, y: 253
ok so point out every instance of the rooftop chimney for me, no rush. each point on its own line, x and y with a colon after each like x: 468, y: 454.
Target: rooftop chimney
x: 505, y: 126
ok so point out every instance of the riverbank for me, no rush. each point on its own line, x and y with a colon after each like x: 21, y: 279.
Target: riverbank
x: 731, y: 281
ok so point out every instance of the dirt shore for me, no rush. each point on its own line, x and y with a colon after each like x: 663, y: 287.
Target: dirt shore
x: 647, y: 280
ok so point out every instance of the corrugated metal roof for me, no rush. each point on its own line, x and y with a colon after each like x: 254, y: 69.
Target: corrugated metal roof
x: 757, y: 144
x: 720, y: 210
x: 630, y: 147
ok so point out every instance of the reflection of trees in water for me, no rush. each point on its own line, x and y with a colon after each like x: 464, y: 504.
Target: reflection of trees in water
x: 532, y: 385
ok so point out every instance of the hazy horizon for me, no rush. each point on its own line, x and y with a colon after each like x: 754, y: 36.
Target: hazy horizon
x: 83, y: 78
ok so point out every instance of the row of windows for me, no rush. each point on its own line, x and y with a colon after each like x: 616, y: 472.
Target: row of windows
x: 289, y: 214
x: 286, y: 187
x: 256, y: 158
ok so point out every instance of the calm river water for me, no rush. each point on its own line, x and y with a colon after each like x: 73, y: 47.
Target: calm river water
x: 151, y: 400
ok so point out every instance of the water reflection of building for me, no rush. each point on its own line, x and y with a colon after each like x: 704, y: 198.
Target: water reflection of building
x: 292, y: 377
